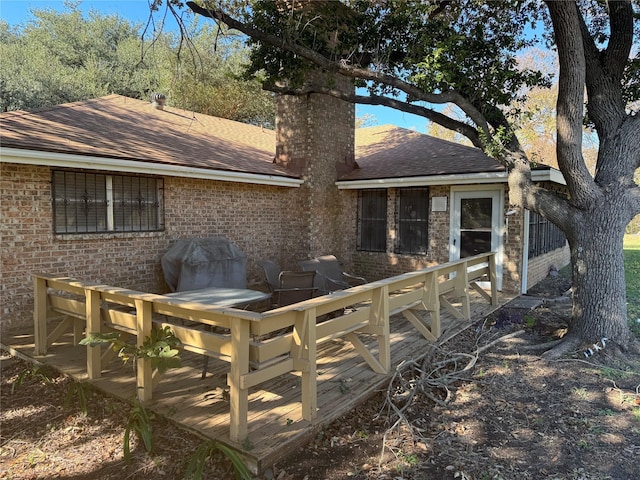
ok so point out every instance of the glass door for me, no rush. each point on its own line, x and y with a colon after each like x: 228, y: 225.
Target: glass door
x: 476, y: 224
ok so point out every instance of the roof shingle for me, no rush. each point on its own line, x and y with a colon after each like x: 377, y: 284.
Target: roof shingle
x: 120, y: 127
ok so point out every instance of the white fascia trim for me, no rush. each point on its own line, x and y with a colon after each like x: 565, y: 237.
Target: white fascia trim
x: 52, y: 159
x: 550, y: 175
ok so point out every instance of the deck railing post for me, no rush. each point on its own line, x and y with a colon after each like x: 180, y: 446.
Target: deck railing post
x: 94, y: 320
x: 493, y: 277
x: 305, y: 352
x: 462, y: 288
x: 238, y: 395
x: 40, y: 315
x: 379, y: 317
x: 144, y: 380
x: 431, y: 299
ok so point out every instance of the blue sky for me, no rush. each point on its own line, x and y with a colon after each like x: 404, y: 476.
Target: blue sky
x: 16, y: 12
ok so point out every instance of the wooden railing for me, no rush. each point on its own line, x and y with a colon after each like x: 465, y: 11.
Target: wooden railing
x: 261, y: 346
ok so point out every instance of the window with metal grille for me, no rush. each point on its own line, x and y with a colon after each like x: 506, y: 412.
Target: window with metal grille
x: 544, y: 236
x: 98, y: 203
x: 372, y: 229
x: 413, y: 220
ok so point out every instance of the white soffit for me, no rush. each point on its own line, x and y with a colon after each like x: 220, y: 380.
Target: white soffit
x: 63, y: 160
x: 547, y: 175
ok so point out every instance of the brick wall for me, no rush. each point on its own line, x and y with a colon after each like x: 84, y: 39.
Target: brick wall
x: 539, y: 266
x: 263, y: 221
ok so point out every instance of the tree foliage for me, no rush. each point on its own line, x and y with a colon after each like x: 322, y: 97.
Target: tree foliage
x: 60, y: 57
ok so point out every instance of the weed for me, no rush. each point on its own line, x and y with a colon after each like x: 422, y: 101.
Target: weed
x: 197, y: 462
x: 636, y: 414
x: 38, y: 373
x: 580, y: 392
x: 248, y: 444
x: 613, y: 373
x: 82, y: 391
x: 140, y: 423
x: 530, y: 321
x: 583, y: 444
x: 361, y: 434
x: 606, y: 412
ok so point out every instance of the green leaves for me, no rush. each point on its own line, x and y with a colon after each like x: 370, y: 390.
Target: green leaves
x: 161, y: 346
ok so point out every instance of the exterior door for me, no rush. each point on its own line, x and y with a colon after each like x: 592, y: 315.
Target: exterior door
x: 477, y: 225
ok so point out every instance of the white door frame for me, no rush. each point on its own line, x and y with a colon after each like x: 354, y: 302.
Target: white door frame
x: 496, y: 193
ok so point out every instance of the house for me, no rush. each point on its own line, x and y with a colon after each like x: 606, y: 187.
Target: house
x: 100, y: 189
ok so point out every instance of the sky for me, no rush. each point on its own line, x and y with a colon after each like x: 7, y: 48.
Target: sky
x: 16, y: 12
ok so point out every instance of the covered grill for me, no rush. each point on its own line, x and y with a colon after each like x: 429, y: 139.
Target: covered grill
x: 196, y: 263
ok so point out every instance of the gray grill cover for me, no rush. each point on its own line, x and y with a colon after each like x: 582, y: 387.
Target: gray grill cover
x: 203, y: 263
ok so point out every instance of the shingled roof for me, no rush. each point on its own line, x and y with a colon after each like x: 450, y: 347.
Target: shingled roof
x: 388, y: 151
x: 124, y: 128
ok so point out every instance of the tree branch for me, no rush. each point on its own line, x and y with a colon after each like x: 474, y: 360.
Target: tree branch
x: 344, y: 68
x: 463, y: 128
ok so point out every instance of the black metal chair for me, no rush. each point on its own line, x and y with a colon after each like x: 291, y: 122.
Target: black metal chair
x: 331, y: 277
x: 294, y: 287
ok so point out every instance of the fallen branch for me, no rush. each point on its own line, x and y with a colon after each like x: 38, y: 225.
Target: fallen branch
x: 424, y: 375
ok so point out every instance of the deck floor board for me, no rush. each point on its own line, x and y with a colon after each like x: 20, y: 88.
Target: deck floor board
x: 276, y: 427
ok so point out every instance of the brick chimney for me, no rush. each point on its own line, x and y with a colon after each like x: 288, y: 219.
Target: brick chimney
x: 315, y: 139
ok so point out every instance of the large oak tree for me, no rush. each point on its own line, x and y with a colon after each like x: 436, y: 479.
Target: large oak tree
x: 414, y: 55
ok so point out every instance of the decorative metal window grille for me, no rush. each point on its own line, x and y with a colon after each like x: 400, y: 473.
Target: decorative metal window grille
x: 97, y: 203
x: 544, y: 236
x: 372, y: 229
x: 413, y: 221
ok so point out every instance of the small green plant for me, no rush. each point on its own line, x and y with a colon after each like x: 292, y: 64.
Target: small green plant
x: 80, y: 390
x: 160, y: 346
x: 583, y: 444
x: 248, y: 444
x: 580, y: 392
x: 606, y: 412
x: 198, y: 460
x: 36, y: 372
x: 636, y: 414
x: 613, y: 373
x: 140, y: 423
x: 530, y: 321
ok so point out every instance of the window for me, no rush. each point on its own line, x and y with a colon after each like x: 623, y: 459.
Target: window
x: 413, y: 217
x: 372, y: 234
x: 96, y: 203
x: 544, y: 236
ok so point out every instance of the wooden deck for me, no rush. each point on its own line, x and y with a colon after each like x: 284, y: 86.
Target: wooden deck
x: 275, y: 424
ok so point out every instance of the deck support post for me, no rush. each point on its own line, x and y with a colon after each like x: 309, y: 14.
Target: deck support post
x: 238, y: 395
x: 40, y: 315
x: 144, y: 380
x: 462, y: 289
x: 93, y: 316
x: 304, y: 352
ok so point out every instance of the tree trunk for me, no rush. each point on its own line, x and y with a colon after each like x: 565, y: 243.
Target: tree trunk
x: 599, y: 288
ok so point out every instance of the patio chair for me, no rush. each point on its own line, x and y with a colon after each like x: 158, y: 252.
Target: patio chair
x: 331, y: 277
x: 294, y: 287
x: 271, y: 273
x: 288, y: 287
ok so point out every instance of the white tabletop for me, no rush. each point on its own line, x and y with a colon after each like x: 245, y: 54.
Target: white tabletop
x: 226, y: 297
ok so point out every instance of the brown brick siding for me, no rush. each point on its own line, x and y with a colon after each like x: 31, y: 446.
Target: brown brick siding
x: 192, y: 208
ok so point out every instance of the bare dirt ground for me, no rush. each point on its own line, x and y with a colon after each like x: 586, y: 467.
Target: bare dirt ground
x: 460, y: 411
